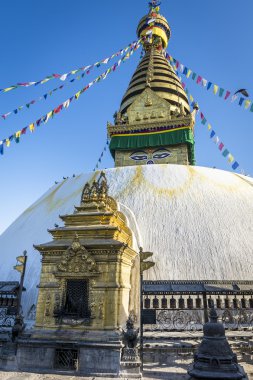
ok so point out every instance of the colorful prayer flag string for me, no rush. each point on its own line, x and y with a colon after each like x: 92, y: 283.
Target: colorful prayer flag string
x: 44, y: 119
x: 63, y: 77
x: 217, y: 90
x: 101, y: 156
x: 45, y: 96
x: 225, y: 152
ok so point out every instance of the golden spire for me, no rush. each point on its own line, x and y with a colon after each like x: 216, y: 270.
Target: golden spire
x: 154, y: 27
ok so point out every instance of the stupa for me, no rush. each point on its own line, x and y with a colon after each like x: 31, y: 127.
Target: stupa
x: 215, y: 358
x: 197, y: 221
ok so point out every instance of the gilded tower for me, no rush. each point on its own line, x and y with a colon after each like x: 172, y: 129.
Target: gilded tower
x: 154, y: 124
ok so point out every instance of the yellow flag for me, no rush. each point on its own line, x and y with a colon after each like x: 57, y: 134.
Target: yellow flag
x: 189, y: 73
x: 247, y: 103
x: 73, y: 71
x: 19, y: 268
x: 49, y: 114
x: 215, y: 89
x: 31, y: 127
x: 191, y: 98
x: 209, y: 127
x: 7, y: 142
x: 77, y: 94
x: 21, y: 259
x: 230, y: 158
x: 8, y: 89
x: 18, y: 134
x: 45, y: 80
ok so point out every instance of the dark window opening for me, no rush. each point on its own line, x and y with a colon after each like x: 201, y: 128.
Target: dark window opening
x: 77, y: 299
x: 66, y: 359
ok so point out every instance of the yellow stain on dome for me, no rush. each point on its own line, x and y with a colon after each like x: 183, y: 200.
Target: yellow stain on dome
x: 139, y: 180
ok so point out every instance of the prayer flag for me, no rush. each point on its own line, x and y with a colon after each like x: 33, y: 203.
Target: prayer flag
x: 77, y: 95
x: 234, y: 97
x: 7, y: 142
x: 43, y: 81
x: 204, y: 121
x: 189, y: 73
x: 1, y: 148
x: 221, y: 92
x: 58, y: 109
x: 202, y: 116
x: 199, y: 79
x: 251, y: 108
x: 227, y: 95
x: 247, y: 103
x: 212, y: 134
x: 185, y: 71
x: 49, y: 114
x: 66, y: 104
x: 225, y: 153
x: 221, y: 146
x: 209, y: 86
x: 230, y: 158
x: 9, y: 88
x: 215, y: 89
x: 209, y: 127
x: 241, y: 101
x: 235, y: 165
x: 194, y: 76
x: 204, y: 82
x: 31, y: 127
x: 5, y: 115
x: 181, y: 67
x: 63, y: 77
x: 216, y: 140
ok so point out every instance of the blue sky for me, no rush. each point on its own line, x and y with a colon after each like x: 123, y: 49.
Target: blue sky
x: 37, y: 39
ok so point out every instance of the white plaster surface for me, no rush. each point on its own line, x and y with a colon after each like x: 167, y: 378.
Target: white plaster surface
x: 197, y: 221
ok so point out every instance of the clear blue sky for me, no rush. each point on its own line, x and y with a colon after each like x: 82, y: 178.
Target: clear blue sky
x: 38, y: 38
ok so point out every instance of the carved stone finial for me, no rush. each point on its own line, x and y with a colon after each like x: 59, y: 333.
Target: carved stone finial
x: 76, y: 243
x: 98, y: 191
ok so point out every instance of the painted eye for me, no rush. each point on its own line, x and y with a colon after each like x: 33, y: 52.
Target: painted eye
x: 161, y: 155
x: 139, y: 156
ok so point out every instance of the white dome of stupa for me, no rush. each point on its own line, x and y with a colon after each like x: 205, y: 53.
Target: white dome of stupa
x: 198, y: 222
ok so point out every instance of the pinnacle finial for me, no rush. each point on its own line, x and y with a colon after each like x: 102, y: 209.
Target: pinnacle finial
x: 154, y: 6
x: 154, y: 27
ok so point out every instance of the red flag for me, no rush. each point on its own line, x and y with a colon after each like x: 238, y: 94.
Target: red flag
x: 227, y: 95
x: 58, y: 109
x: 221, y: 146
x: 199, y: 79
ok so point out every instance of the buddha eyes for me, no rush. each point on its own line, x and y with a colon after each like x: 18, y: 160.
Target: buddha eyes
x: 139, y: 156
x: 161, y: 155
x: 157, y: 155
